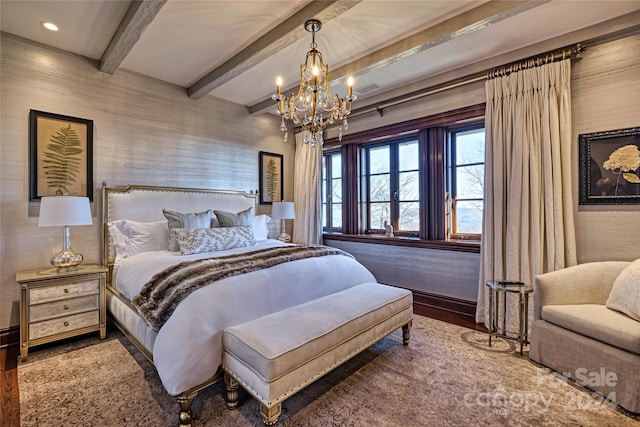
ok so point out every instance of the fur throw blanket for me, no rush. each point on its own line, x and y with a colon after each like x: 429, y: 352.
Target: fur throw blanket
x: 161, y: 295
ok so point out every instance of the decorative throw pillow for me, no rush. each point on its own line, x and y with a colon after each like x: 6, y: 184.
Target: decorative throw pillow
x: 198, y: 240
x: 185, y: 220
x: 133, y: 237
x: 243, y: 218
x: 625, y: 293
x: 260, y: 228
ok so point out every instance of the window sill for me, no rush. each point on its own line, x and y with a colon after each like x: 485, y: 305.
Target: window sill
x: 472, y: 246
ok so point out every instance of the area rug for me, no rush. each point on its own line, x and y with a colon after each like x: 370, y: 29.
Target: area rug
x: 447, y: 376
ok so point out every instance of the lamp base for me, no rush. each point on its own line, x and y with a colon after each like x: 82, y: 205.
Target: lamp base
x: 67, y: 260
x: 284, y: 237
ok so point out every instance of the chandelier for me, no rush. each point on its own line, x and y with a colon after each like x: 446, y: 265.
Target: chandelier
x: 314, y: 107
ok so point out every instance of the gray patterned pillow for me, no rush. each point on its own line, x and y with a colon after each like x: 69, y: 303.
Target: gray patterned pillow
x: 198, y: 240
x: 243, y: 218
x: 185, y: 220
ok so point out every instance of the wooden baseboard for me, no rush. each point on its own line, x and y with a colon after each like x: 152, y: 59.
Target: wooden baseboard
x: 452, y: 310
x: 9, y: 336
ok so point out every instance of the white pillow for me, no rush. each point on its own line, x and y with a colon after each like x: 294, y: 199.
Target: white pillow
x: 260, y: 228
x: 625, y: 293
x: 118, y: 239
x: 132, y: 237
x: 198, y: 240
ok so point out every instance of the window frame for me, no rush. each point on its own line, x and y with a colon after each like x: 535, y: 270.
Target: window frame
x: 327, y: 157
x: 394, y: 184
x: 452, y: 180
x: 432, y: 138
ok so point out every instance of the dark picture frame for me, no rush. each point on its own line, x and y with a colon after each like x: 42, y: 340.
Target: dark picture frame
x: 607, y: 161
x: 271, y: 176
x: 60, y: 155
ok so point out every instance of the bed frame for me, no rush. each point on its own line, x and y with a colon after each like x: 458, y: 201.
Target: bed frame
x: 145, y: 203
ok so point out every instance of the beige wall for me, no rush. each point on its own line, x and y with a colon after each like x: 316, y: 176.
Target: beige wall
x: 145, y: 132
x: 605, y: 89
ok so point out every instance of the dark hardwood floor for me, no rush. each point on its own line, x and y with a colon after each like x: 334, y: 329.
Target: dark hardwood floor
x: 10, y: 398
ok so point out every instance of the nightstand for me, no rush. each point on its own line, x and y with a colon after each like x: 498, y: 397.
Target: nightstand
x: 56, y: 305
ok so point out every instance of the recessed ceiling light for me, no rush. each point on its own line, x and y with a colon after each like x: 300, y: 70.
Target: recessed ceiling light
x: 49, y: 25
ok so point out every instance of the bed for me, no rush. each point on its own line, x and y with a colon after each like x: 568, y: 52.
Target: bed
x: 187, y: 347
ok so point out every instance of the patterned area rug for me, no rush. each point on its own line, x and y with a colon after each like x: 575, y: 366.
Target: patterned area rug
x: 447, y: 376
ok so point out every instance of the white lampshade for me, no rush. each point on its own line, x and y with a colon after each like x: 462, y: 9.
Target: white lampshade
x: 282, y: 210
x: 64, y: 210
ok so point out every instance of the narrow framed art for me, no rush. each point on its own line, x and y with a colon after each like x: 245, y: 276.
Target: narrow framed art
x: 271, y: 186
x: 610, y: 167
x: 60, y: 155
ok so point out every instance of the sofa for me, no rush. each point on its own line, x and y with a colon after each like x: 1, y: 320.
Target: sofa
x: 576, y: 332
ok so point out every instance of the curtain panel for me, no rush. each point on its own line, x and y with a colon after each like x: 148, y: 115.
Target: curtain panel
x: 528, y: 221
x: 307, y: 183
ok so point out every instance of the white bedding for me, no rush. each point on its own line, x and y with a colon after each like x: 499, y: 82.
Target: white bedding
x: 188, y: 348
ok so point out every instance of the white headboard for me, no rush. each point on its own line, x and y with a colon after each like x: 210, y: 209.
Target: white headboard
x: 145, y: 203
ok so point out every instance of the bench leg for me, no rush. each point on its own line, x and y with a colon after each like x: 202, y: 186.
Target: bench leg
x: 270, y: 415
x: 185, y: 401
x: 406, y: 332
x: 232, y: 391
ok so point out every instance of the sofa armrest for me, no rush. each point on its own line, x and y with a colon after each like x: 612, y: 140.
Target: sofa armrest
x: 588, y: 283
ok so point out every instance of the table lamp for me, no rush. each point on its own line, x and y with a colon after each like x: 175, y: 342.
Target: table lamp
x: 283, y: 211
x: 56, y: 211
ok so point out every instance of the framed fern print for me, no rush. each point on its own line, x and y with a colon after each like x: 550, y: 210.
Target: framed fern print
x: 60, y: 155
x: 271, y: 186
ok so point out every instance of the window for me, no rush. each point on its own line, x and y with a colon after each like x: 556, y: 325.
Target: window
x: 466, y: 182
x: 392, y: 183
x: 332, y: 191
x: 424, y: 177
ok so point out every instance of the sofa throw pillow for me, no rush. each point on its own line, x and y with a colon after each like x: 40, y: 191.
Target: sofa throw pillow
x: 185, y: 220
x: 228, y: 219
x: 625, y: 293
x: 199, y: 240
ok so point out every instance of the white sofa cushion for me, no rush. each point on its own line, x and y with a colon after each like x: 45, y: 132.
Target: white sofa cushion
x: 625, y: 293
x: 598, y: 322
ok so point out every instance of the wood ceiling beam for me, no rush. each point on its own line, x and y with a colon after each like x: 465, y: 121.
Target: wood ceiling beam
x: 281, y: 36
x: 138, y: 17
x: 466, y: 23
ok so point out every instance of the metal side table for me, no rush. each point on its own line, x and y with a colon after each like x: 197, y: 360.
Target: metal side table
x: 503, y: 287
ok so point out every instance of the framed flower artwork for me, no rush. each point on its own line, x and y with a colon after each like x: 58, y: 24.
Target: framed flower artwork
x: 610, y: 167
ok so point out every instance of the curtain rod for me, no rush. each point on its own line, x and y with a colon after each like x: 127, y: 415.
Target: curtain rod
x: 544, y: 58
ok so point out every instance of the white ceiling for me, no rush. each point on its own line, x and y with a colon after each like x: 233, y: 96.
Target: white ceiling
x: 388, y: 43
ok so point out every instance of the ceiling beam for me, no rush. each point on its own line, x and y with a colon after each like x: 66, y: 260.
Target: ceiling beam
x: 281, y: 36
x: 138, y: 16
x: 466, y: 23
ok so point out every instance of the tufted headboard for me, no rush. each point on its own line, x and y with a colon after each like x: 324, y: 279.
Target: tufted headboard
x: 145, y: 203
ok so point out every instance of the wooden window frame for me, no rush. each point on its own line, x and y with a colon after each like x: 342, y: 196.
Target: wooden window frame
x: 452, y: 187
x: 432, y: 139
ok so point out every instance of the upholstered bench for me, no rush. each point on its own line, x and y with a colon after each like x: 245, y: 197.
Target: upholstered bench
x: 276, y: 355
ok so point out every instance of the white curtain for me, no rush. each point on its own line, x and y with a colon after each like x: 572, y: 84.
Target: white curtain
x: 528, y: 225
x: 307, y: 183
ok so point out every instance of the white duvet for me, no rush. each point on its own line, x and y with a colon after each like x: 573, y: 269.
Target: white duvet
x: 188, y: 348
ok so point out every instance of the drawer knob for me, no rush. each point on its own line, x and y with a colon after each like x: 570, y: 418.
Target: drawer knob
x: 66, y: 307
x: 66, y: 291
x: 66, y: 323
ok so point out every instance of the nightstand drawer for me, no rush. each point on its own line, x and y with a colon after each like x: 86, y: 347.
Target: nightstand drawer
x: 64, y: 307
x: 66, y: 290
x: 63, y: 324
